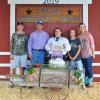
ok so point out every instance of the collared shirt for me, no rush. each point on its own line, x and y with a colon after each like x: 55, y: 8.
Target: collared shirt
x: 60, y: 45
x: 87, y: 43
x: 37, y: 40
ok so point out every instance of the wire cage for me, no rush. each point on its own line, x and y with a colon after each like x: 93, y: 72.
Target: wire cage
x: 52, y: 78
x: 54, y: 74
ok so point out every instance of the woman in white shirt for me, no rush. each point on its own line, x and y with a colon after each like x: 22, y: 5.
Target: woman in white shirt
x: 58, y: 46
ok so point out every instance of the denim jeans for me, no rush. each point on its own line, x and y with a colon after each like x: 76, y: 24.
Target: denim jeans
x: 38, y: 57
x: 78, y: 64
x: 75, y: 64
x: 87, y: 63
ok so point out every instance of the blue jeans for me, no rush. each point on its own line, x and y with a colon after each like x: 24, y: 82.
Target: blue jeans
x: 87, y: 63
x: 75, y: 64
x: 38, y: 57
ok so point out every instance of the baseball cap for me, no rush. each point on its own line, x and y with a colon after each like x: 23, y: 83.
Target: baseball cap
x: 39, y: 22
x: 20, y: 23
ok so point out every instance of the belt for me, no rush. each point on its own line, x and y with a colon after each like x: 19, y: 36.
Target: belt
x: 86, y: 57
x: 38, y: 49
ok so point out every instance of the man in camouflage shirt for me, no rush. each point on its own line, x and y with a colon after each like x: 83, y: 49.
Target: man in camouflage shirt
x: 19, y: 49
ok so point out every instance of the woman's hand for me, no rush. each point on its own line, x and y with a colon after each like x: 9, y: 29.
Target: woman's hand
x: 93, y: 55
x: 73, y: 58
x: 70, y: 57
x: 50, y: 45
x: 64, y: 45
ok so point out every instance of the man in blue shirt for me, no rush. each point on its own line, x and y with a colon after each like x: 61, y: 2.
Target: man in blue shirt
x: 36, y: 44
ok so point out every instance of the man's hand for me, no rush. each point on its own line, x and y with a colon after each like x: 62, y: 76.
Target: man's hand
x: 30, y: 57
x: 11, y: 57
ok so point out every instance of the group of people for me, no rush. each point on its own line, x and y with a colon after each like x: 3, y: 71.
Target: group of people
x: 78, y: 48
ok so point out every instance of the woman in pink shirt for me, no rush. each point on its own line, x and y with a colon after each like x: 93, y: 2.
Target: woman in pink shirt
x: 87, y: 51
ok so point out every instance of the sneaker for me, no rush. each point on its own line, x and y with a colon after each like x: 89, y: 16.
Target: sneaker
x: 90, y: 81
x: 88, y: 85
x: 30, y: 87
x: 86, y: 80
x: 10, y: 86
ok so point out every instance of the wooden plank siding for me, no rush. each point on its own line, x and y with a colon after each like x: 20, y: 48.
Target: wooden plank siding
x: 4, y: 26
x: 94, y: 28
x: 94, y: 22
x: 4, y: 35
x: 5, y: 59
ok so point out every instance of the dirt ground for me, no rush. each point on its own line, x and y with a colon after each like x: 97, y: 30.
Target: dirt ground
x: 37, y: 93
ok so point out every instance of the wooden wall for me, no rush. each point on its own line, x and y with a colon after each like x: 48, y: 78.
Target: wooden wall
x: 4, y: 34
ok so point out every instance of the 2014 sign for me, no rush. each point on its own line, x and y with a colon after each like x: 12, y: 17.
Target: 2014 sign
x: 51, y: 2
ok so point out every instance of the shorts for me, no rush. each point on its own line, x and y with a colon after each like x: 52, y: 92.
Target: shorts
x: 19, y: 61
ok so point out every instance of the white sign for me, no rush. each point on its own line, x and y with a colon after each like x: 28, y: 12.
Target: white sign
x: 49, y: 1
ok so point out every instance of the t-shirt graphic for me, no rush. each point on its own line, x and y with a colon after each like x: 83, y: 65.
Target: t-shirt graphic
x: 85, y: 44
x: 74, y: 47
x: 19, y: 44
